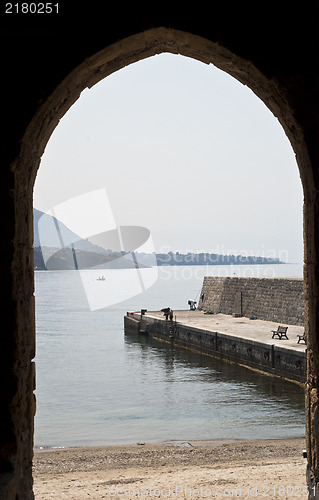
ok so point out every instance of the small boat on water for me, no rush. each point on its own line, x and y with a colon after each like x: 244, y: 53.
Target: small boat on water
x: 100, y: 278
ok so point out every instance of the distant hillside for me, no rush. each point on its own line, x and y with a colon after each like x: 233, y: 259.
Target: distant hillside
x: 49, y: 234
x: 86, y: 255
x: 66, y: 259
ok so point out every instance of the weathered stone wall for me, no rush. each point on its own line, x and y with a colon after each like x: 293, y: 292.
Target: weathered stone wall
x: 270, y: 299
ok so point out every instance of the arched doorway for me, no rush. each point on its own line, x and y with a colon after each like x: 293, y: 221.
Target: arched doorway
x: 188, y: 152
x: 92, y: 70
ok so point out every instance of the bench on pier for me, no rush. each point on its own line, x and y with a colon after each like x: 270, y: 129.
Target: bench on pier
x: 301, y: 337
x: 281, y: 332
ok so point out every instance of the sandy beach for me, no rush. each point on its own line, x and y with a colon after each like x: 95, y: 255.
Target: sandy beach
x: 195, y: 469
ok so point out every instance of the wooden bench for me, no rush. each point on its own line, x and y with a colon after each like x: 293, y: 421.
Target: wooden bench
x: 301, y: 337
x: 281, y: 332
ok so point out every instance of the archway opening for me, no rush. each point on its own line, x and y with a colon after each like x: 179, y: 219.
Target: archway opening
x: 187, y: 199
x: 282, y: 100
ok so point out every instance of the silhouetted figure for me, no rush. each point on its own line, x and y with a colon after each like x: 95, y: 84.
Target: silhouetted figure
x: 166, y: 311
x: 171, y: 314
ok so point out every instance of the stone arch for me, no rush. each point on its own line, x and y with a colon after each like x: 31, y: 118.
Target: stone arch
x: 16, y: 452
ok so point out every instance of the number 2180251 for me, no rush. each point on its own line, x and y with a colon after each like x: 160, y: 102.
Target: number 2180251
x: 32, y: 8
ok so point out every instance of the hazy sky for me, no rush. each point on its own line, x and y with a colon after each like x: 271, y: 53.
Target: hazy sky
x: 184, y: 150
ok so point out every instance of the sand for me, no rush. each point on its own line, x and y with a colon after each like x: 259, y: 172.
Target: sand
x: 237, y: 469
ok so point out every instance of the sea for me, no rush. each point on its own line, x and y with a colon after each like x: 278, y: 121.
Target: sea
x: 96, y: 385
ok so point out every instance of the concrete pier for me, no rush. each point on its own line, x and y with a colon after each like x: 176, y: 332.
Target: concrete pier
x: 236, y: 339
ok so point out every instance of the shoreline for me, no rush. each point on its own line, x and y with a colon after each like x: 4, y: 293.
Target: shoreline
x: 170, y: 442
x: 255, y: 468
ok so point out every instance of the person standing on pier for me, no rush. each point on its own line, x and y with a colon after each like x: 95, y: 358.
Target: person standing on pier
x: 171, y: 314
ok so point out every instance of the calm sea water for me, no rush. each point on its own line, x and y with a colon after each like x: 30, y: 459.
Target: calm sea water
x: 96, y: 385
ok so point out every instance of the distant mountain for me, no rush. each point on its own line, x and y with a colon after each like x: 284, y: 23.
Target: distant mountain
x: 67, y: 259
x: 86, y: 255
x: 49, y: 235
x: 48, y: 254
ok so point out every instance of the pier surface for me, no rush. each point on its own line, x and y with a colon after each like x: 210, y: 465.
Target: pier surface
x: 244, y: 328
x: 241, y: 340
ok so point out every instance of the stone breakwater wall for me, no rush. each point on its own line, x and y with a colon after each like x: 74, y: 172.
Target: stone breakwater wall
x: 268, y: 358
x: 270, y: 299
